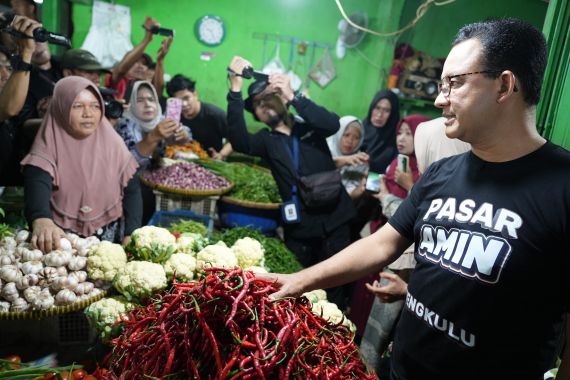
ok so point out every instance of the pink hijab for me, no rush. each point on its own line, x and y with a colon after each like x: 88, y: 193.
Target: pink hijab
x: 413, y: 121
x: 88, y: 175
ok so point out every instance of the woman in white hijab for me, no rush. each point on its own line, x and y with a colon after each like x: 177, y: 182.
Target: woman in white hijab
x: 144, y: 129
x: 344, y: 146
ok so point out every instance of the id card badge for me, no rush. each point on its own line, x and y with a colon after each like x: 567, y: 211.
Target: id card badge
x: 290, y: 211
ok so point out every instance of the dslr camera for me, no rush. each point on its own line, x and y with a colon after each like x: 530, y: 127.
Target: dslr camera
x: 113, y: 108
x: 249, y: 73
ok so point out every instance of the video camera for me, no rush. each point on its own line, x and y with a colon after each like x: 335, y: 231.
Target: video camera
x: 113, y: 108
x: 39, y: 34
x: 161, y: 31
x: 249, y: 73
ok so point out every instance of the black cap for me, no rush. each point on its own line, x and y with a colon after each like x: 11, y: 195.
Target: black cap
x: 253, y: 90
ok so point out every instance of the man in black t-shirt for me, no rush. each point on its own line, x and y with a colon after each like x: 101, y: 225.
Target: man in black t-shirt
x: 491, y: 227
x: 207, y: 122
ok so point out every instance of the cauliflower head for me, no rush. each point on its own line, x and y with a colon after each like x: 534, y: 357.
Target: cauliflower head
x: 189, y: 243
x: 139, y: 279
x: 256, y: 269
x: 316, y: 295
x: 103, y: 314
x: 183, y: 264
x: 332, y: 313
x: 104, y: 260
x: 249, y: 252
x: 150, y: 243
x: 216, y: 255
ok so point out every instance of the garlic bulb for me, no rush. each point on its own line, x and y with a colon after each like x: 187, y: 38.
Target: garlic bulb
x: 63, y: 283
x: 31, y: 293
x: 9, y: 292
x: 47, y: 275
x: 21, y: 249
x: 31, y: 255
x: 92, y: 240
x: 56, y: 258
x: 5, y: 260
x: 65, y: 245
x: 84, y: 288
x: 79, y: 275
x: 9, y: 242
x: 65, y: 297
x: 61, y: 271
x: 10, y: 273
x: 32, y: 267
x: 77, y: 263
x: 19, y: 305
x: 44, y: 300
x: 22, y: 236
x: 4, y: 306
x: 73, y: 239
x: 27, y: 281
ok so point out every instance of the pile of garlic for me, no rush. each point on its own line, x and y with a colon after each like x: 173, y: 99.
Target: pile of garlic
x: 31, y: 280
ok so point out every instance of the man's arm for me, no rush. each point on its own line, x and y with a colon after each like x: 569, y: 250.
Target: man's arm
x: 13, y: 95
x: 158, y: 78
x: 564, y: 369
x: 368, y: 255
x: 123, y: 67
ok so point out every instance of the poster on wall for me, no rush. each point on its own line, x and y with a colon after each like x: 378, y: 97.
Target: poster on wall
x: 109, y: 36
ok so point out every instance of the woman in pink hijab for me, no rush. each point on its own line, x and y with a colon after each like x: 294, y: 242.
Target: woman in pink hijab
x: 79, y: 175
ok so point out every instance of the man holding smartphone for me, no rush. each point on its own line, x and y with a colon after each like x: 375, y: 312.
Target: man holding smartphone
x: 490, y: 292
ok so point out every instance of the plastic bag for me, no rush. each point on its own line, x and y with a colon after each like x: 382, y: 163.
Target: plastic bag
x: 324, y: 71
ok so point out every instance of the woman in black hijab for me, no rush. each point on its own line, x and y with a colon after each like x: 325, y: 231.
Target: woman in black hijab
x: 380, y: 130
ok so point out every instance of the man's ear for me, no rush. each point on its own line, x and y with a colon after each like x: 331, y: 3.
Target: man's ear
x: 508, y: 85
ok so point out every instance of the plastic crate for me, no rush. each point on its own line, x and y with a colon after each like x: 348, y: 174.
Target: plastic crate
x: 232, y: 215
x: 198, y: 205
x: 166, y: 218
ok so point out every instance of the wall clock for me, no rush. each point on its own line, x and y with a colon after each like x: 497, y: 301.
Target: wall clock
x: 210, y: 30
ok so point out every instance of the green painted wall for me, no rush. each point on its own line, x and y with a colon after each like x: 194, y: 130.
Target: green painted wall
x: 314, y: 20
x: 435, y: 31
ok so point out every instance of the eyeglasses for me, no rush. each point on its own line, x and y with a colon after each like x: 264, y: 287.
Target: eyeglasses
x: 445, y: 85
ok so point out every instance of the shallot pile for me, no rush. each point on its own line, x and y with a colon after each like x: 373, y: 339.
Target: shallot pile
x: 186, y: 176
x: 227, y: 327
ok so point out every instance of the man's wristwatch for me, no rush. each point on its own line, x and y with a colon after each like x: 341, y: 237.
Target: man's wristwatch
x: 19, y: 65
x: 298, y: 96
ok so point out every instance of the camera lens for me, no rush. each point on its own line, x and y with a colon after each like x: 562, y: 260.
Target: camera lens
x: 113, y: 109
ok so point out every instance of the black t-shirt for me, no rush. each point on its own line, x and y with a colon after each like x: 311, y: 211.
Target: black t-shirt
x: 209, y: 127
x: 40, y: 91
x: 491, y: 284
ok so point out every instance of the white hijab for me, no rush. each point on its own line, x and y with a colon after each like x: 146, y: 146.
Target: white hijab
x: 334, y: 140
x: 133, y: 115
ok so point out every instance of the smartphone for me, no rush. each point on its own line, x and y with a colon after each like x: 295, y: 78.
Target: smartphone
x: 402, y: 162
x: 173, y: 108
x: 373, y: 182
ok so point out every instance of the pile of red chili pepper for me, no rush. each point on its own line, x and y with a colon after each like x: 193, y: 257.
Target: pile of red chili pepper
x: 227, y: 327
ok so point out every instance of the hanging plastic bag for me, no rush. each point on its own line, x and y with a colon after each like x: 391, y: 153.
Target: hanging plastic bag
x: 109, y: 37
x: 324, y: 71
x: 274, y: 66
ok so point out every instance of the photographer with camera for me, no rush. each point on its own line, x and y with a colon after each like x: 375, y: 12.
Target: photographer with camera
x: 135, y: 64
x: 14, y: 83
x: 315, y: 218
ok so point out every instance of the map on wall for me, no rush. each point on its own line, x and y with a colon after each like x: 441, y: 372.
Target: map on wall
x: 109, y: 36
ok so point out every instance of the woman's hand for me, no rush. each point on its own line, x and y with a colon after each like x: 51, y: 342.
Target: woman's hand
x: 405, y: 179
x: 383, y: 190
x: 237, y: 65
x: 356, y: 159
x: 164, y: 130
x: 46, y: 234
x: 395, y: 290
x: 180, y: 135
x: 358, y: 191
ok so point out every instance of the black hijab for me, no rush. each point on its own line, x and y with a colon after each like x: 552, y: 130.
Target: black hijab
x: 380, y: 143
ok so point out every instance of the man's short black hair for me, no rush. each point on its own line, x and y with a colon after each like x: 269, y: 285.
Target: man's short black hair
x: 180, y: 82
x: 511, y: 44
x: 4, y: 50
